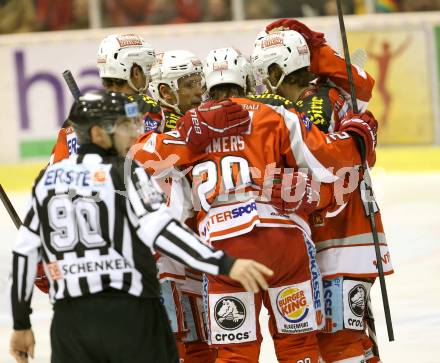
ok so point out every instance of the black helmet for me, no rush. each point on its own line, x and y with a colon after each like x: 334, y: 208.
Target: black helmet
x: 100, y: 107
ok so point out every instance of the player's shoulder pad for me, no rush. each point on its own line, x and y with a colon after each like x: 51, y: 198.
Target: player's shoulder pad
x: 146, y: 103
x: 273, y: 100
x: 318, y: 107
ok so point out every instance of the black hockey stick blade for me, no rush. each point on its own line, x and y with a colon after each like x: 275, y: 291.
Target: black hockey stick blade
x: 10, y: 208
x: 71, y: 83
x: 367, y: 179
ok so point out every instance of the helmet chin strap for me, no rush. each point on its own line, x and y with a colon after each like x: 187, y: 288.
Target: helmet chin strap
x: 272, y: 87
x: 137, y: 90
x: 142, y: 90
x: 175, y: 107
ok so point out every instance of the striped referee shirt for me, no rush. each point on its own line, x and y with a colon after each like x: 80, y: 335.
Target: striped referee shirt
x: 96, y: 223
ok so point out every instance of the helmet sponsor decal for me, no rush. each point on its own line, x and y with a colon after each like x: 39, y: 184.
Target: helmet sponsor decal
x: 129, y: 40
x: 196, y: 62
x: 274, y: 40
x: 303, y: 50
x: 220, y: 66
x: 102, y: 59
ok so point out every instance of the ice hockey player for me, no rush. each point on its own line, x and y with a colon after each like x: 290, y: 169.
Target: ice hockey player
x: 229, y: 216
x: 96, y: 224
x: 124, y: 62
x: 338, y: 243
x: 177, y: 83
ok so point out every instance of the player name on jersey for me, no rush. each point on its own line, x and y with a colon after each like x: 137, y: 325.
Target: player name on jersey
x: 226, y: 144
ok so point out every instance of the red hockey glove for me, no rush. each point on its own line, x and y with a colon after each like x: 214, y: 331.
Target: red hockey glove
x: 212, y: 120
x: 294, y: 194
x: 363, y: 125
x: 313, y: 39
x: 41, y: 280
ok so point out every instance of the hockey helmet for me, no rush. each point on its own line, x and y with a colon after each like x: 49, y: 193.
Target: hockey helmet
x: 103, y: 108
x: 118, y: 53
x: 171, y: 66
x: 288, y: 49
x: 227, y: 65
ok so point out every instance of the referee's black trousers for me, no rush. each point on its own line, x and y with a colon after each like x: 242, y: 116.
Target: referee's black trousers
x: 111, y: 328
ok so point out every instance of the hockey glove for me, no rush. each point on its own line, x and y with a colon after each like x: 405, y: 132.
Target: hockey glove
x: 41, y: 280
x: 212, y: 120
x: 364, y: 126
x: 294, y: 194
x: 313, y: 39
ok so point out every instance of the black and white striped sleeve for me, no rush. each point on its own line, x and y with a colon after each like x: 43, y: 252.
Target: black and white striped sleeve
x: 25, y: 256
x: 157, y: 228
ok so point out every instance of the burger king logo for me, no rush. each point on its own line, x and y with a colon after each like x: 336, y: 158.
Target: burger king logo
x: 292, y: 304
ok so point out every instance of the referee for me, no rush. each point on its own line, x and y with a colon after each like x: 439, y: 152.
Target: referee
x: 96, y: 228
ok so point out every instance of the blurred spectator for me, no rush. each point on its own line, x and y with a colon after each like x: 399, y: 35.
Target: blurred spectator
x: 387, y: 6
x: 43, y: 15
x: 259, y: 9
x: 125, y: 12
x: 161, y: 12
x: 16, y: 16
x: 217, y: 10
x: 421, y: 5
x: 330, y: 7
x: 80, y: 10
x: 53, y: 14
x: 297, y: 8
x: 175, y: 12
x: 188, y: 11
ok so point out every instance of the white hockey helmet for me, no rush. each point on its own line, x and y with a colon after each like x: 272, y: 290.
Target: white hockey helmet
x: 227, y: 65
x: 286, y: 48
x: 118, y: 53
x: 171, y: 66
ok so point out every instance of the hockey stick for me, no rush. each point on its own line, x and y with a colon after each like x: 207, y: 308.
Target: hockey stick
x: 367, y: 180
x: 9, y: 207
x: 71, y: 83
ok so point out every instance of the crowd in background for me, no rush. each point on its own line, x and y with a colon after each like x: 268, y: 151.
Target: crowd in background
x: 45, y: 15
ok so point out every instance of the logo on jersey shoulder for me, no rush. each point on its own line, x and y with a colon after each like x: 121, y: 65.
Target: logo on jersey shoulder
x: 356, y: 299
x: 306, y: 121
x: 150, y: 124
x: 292, y: 304
x: 317, y: 219
x: 230, y: 313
